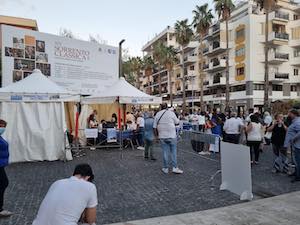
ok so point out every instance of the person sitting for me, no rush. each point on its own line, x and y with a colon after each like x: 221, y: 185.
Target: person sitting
x: 130, y: 117
x: 114, y: 119
x: 70, y: 200
x: 92, y: 120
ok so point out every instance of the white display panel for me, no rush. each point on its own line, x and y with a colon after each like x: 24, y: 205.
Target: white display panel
x: 80, y: 66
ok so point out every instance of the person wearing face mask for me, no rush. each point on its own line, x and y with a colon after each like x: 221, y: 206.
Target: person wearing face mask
x: 114, y: 119
x: 4, y: 154
x: 292, y: 139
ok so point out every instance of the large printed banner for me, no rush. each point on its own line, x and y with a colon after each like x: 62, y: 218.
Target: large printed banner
x: 79, y: 66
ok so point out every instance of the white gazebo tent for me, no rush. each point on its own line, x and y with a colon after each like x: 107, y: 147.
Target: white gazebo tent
x: 34, y: 111
x: 123, y: 93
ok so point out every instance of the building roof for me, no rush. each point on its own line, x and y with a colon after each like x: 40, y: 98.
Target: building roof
x: 19, y: 22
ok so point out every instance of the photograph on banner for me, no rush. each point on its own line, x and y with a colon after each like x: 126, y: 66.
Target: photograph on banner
x: 111, y: 135
x: 18, y: 75
x: 80, y: 66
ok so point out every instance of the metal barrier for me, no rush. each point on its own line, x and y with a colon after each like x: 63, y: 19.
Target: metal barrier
x: 108, y: 138
x: 198, y: 141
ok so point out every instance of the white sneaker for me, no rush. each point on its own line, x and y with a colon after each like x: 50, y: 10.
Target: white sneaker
x: 5, y: 213
x: 202, y: 153
x: 141, y: 148
x: 165, y: 170
x: 177, y: 170
x: 92, y: 148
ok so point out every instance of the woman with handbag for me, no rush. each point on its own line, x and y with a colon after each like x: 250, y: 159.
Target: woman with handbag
x: 254, y: 132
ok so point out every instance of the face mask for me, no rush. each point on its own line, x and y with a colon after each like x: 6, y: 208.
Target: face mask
x: 2, y: 129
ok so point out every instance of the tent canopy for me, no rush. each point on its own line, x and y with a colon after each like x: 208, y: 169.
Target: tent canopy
x: 35, y: 87
x: 124, y: 92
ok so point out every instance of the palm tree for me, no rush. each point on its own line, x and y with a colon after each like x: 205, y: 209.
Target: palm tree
x: 137, y: 65
x: 267, y: 6
x: 148, y: 65
x: 159, y: 55
x: 202, y: 21
x: 224, y: 9
x: 170, y: 59
x: 183, y: 34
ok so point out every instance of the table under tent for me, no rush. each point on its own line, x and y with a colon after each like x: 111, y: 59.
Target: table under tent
x: 123, y: 94
x: 35, y: 115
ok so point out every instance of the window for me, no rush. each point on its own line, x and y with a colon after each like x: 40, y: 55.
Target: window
x: 276, y: 87
x: 238, y: 88
x: 192, y: 67
x: 258, y: 87
x: 296, y: 17
x: 296, y: 72
x: 297, y: 53
x: 240, y: 71
x: 240, y: 52
x: 240, y: 34
x: 293, y: 88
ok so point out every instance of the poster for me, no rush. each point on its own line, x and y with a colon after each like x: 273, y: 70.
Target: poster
x: 79, y: 66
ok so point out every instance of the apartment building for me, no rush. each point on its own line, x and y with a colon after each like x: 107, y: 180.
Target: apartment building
x: 246, y: 58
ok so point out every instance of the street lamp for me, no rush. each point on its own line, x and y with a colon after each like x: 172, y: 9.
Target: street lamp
x: 120, y: 58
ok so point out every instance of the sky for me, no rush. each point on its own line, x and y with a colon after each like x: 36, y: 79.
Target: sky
x: 137, y: 21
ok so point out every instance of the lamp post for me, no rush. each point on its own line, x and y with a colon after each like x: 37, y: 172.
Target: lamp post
x: 120, y: 58
x: 121, y: 75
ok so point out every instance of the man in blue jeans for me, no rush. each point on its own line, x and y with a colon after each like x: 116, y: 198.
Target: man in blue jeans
x: 292, y: 139
x: 164, y: 126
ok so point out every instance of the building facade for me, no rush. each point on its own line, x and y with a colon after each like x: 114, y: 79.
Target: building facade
x: 246, y: 59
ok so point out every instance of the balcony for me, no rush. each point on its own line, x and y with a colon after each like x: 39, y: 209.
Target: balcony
x: 217, y: 65
x: 278, y: 38
x: 189, y: 60
x: 205, y: 83
x: 216, y: 48
x: 295, y: 43
x: 279, y: 16
x: 217, y: 81
x: 215, y: 29
x: 205, y: 67
x: 295, y: 61
x: 190, y: 46
x: 205, y: 50
x: 278, y: 77
x: 278, y: 58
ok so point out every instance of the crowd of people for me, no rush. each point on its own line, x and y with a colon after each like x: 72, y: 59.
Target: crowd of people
x: 254, y: 129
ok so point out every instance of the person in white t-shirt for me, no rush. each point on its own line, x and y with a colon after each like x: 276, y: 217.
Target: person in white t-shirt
x: 195, y: 121
x: 233, y: 127
x: 165, y: 122
x: 140, y: 130
x: 70, y: 200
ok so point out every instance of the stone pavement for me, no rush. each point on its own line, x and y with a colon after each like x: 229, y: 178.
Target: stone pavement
x: 283, y: 209
x: 130, y: 188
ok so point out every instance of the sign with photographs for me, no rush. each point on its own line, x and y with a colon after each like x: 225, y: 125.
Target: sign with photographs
x: 80, y: 66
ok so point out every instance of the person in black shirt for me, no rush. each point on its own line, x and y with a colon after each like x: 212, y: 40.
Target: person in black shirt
x: 278, y: 129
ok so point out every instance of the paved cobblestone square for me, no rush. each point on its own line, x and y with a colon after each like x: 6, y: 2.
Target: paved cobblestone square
x: 131, y: 188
